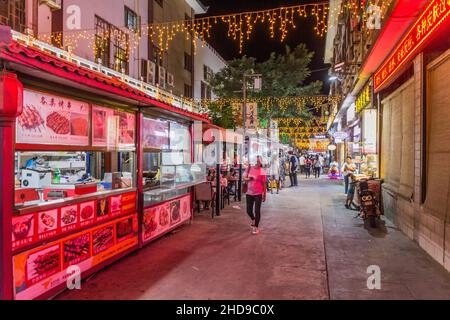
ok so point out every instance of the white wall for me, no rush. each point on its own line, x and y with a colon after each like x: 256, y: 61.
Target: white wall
x: 45, y: 20
x: 205, y: 55
x: 113, y: 11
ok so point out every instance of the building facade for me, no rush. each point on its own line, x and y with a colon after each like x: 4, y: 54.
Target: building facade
x: 207, y: 61
x: 403, y: 77
x: 115, y: 35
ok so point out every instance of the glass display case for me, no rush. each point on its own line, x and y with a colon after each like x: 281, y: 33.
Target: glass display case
x: 182, y: 175
x: 168, y: 167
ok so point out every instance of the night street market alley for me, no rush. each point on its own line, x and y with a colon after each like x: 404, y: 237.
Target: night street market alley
x: 310, y: 247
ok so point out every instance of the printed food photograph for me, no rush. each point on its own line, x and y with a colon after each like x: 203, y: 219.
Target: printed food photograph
x: 126, y: 127
x: 69, y: 216
x: 102, y: 239
x: 77, y: 249
x: 164, y: 216
x: 99, y: 124
x: 22, y: 227
x: 124, y: 228
x: 175, y: 212
x: 116, y: 204
x: 87, y: 211
x: 150, y: 222
x: 44, y: 263
x: 48, y: 221
x: 79, y: 125
x: 156, y: 134
x: 185, y: 208
x: 102, y: 207
x: 59, y: 122
x: 31, y: 119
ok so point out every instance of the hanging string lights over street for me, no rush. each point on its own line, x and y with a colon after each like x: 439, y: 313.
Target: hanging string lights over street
x: 280, y: 103
x: 240, y: 27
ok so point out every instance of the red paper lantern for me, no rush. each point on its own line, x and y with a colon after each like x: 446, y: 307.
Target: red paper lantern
x: 11, y: 95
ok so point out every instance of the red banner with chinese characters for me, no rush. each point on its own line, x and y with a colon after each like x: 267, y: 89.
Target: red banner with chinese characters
x: 432, y: 17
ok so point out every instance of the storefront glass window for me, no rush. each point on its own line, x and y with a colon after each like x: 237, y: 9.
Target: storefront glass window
x: 43, y: 176
x: 168, y: 167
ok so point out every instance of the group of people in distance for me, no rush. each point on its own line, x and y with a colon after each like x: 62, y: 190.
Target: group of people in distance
x: 304, y: 164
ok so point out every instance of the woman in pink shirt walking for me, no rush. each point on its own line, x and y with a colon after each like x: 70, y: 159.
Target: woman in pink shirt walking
x: 255, y: 176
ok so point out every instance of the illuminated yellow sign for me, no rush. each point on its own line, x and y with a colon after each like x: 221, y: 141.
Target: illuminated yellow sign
x: 364, y: 98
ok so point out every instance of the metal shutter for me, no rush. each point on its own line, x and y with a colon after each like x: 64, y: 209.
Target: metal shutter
x: 438, y: 132
x: 386, y: 142
x: 407, y: 155
x: 397, y: 145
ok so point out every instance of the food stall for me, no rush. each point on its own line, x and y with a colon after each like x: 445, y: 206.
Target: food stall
x: 75, y: 189
x: 171, y: 168
x: 88, y: 162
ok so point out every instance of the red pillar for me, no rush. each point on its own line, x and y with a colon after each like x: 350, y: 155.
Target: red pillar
x: 140, y: 171
x: 11, y: 101
x: 6, y: 206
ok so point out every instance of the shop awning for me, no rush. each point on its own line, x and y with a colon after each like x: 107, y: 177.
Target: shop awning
x: 39, y: 64
x: 228, y: 136
x: 403, y: 16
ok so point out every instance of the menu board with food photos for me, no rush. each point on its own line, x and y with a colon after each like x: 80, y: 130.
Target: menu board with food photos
x: 41, y: 269
x: 113, y: 129
x: 104, y: 130
x: 160, y: 219
x: 50, y: 119
x: 155, y: 134
x: 33, y: 228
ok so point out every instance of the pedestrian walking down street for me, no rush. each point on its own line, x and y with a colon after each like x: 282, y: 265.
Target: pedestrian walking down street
x: 302, y: 164
x: 283, y: 171
x: 256, y: 179
x: 347, y: 169
x: 317, y: 168
x: 308, y: 166
x: 293, y: 169
x: 274, y: 175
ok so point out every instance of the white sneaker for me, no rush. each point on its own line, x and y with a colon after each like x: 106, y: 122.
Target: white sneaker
x: 255, y: 231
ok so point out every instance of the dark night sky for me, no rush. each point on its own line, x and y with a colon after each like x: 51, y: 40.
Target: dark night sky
x: 260, y: 45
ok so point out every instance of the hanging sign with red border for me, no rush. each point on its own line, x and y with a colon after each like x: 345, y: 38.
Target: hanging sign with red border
x: 429, y: 21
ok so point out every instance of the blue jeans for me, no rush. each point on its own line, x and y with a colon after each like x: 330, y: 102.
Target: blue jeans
x: 346, y: 180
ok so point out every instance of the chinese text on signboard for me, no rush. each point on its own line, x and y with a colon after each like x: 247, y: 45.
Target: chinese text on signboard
x: 431, y: 18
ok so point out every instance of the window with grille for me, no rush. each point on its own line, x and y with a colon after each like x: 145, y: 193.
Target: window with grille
x: 107, y: 38
x: 188, y: 91
x: 206, y: 91
x: 207, y: 73
x: 12, y: 13
x: 188, y: 62
x: 132, y: 20
x: 102, y: 41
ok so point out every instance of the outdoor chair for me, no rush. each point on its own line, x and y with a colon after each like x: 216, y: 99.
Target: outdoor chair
x: 204, y: 192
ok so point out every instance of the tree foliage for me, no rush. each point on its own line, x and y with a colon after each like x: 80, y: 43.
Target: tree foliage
x: 284, y: 75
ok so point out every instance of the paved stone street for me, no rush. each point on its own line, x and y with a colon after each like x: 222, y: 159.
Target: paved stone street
x: 310, y: 247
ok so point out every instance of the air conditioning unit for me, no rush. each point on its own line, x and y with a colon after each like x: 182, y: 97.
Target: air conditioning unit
x: 52, y: 4
x: 170, y: 80
x: 148, y: 71
x: 162, y: 77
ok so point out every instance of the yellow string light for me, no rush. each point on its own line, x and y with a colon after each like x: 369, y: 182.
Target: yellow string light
x: 240, y: 28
